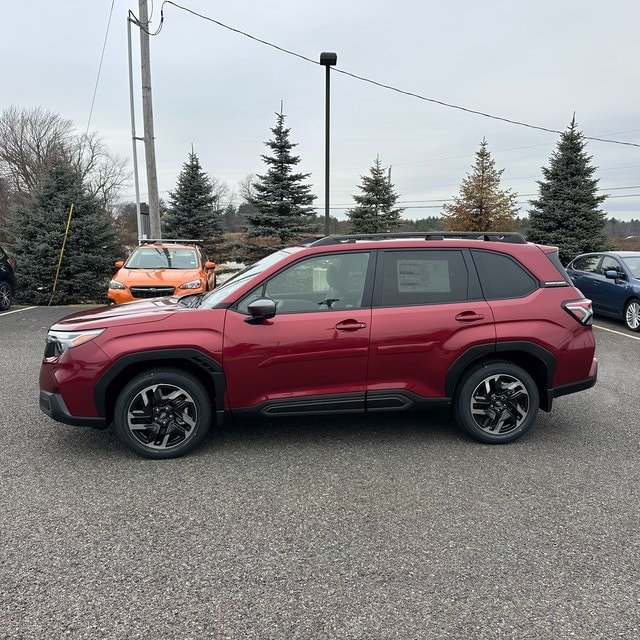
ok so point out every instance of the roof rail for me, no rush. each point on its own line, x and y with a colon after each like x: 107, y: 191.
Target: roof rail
x: 486, y: 236
x: 164, y: 240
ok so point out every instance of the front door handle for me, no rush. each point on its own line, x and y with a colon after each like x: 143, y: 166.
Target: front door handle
x: 350, y: 325
x: 469, y: 316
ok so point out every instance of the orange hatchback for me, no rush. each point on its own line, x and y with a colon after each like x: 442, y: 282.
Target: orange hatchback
x: 162, y: 268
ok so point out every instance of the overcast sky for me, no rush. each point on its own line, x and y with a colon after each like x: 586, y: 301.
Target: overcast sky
x: 534, y: 61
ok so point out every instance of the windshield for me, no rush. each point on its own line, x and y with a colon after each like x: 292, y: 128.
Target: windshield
x: 633, y: 264
x: 162, y: 258
x: 240, y: 279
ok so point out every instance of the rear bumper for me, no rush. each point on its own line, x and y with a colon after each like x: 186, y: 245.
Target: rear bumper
x: 574, y: 387
x: 53, y: 405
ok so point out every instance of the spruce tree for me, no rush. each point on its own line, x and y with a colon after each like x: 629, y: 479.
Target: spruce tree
x: 482, y: 205
x: 376, y: 211
x: 567, y: 213
x: 192, y: 212
x: 281, y: 201
x: 38, y: 226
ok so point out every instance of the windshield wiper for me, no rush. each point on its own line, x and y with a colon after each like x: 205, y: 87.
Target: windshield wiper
x: 192, y: 301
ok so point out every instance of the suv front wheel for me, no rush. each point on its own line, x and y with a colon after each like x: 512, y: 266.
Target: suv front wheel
x: 497, y: 402
x: 5, y: 295
x: 163, y: 413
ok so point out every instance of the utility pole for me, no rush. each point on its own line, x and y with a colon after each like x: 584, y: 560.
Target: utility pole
x: 147, y: 116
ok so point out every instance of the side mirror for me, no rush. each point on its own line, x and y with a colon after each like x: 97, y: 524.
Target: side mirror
x: 119, y: 264
x: 612, y: 274
x: 260, y: 310
x: 209, y: 265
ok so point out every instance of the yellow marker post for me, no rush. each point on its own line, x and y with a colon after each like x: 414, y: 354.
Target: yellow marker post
x: 64, y: 242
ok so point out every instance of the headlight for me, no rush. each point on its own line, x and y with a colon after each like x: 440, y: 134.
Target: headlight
x: 59, y: 341
x: 194, y: 284
x: 114, y: 284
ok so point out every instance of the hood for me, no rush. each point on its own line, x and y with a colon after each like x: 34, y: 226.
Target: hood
x: 152, y: 310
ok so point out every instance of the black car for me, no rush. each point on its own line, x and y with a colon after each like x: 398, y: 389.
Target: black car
x: 7, y: 280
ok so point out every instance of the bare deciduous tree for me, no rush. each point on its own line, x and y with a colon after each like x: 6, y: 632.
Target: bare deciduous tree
x: 246, y: 187
x: 31, y: 139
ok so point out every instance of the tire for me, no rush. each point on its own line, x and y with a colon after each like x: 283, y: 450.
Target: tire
x: 497, y: 402
x: 163, y: 413
x: 632, y: 315
x: 6, y: 295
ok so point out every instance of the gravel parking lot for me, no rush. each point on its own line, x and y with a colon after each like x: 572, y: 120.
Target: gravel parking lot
x: 394, y: 526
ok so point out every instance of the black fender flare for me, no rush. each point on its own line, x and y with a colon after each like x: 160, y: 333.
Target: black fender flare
x: 480, y: 352
x: 202, y: 362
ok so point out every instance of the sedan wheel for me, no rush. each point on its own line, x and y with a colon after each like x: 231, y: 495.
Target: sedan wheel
x: 497, y: 403
x: 5, y: 296
x: 632, y: 315
x: 163, y: 414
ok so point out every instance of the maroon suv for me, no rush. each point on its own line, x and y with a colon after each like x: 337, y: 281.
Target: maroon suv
x: 486, y: 323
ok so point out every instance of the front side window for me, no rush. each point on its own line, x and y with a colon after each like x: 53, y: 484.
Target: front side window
x: 423, y: 276
x: 320, y: 283
x: 610, y: 264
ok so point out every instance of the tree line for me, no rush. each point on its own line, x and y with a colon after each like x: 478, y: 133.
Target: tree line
x: 60, y: 187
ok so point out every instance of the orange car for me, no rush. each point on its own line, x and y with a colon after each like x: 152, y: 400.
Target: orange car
x: 157, y: 268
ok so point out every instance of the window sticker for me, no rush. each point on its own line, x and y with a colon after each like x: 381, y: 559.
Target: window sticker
x: 427, y: 276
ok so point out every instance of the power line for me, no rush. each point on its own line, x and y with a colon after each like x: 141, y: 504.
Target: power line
x: 376, y: 83
x: 104, y: 47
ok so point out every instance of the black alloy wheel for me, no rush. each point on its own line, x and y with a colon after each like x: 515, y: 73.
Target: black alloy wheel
x: 497, y: 403
x: 163, y: 413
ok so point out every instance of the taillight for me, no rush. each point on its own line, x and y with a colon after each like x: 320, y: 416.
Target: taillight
x: 12, y: 262
x: 580, y: 309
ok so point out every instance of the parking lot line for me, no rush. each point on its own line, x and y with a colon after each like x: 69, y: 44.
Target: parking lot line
x: 619, y: 333
x: 8, y: 313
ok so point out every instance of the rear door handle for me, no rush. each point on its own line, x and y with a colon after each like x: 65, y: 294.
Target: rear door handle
x: 350, y: 325
x: 469, y: 316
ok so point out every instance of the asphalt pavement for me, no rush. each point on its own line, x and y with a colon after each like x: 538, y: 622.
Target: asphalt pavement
x: 391, y: 526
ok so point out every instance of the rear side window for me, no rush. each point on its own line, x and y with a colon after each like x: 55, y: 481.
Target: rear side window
x: 586, y: 263
x: 502, y: 277
x: 422, y: 276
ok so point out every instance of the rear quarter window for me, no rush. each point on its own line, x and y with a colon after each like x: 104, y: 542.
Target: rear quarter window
x: 502, y: 277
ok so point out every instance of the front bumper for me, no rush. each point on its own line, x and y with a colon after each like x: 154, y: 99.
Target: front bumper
x: 54, y: 406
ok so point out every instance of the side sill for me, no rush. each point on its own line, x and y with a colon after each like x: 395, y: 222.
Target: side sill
x: 378, y: 401
x: 401, y: 400
x: 314, y: 406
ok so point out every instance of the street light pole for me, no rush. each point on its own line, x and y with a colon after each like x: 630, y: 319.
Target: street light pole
x: 327, y: 59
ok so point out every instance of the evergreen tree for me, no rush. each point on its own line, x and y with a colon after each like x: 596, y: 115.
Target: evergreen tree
x: 192, y: 212
x: 38, y: 225
x: 567, y: 213
x: 376, y: 210
x: 280, y: 199
x: 482, y: 205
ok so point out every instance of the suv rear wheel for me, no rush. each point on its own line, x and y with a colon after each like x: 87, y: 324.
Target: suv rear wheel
x: 163, y: 413
x: 497, y: 402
